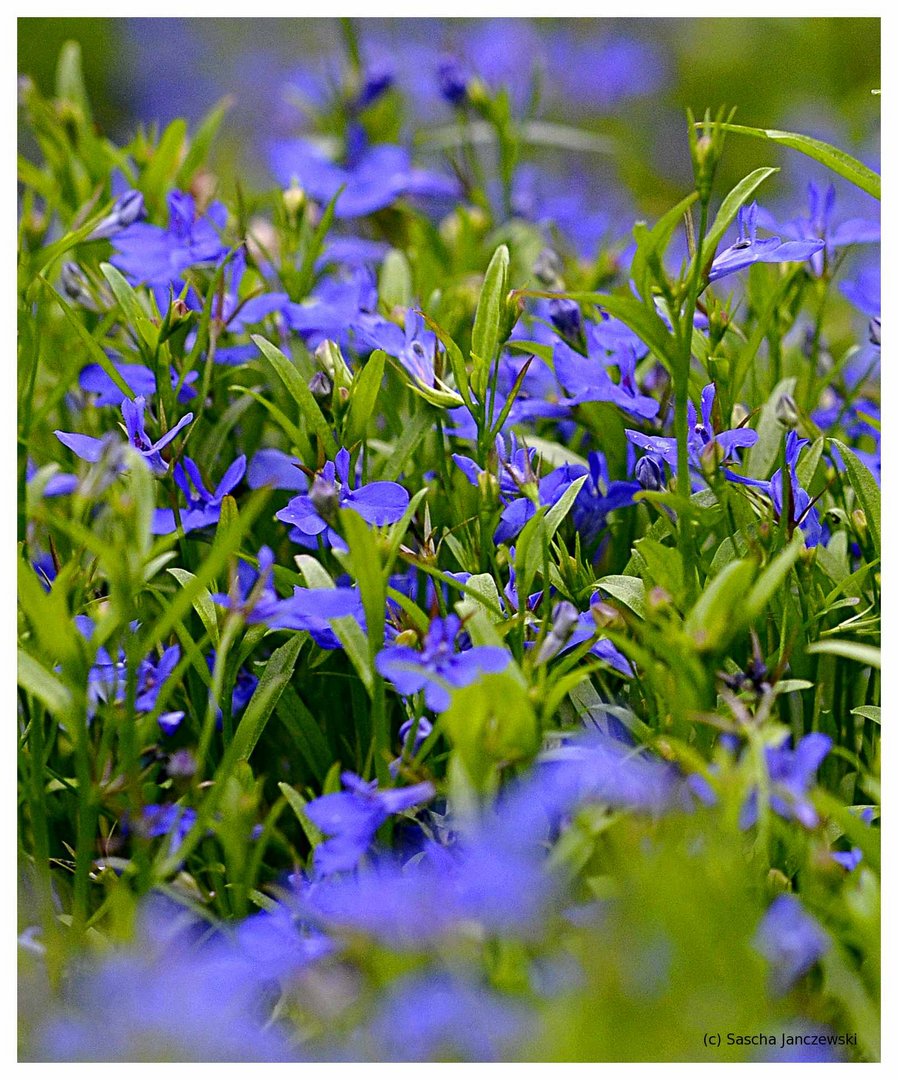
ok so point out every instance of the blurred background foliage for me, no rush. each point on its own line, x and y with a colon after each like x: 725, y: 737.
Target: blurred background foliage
x: 809, y: 75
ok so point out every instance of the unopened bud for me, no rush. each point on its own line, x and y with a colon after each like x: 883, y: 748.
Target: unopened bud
x: 453, y: 80
x: 321, y: 387
x: 875, y: 331
x: 127, y: 208
x: 604, y: 615
x: 406, y: 637
x: 331, y: 361
x: 859, y: 520
x: 786, y: 411
x: 294, y: 200
x: 658, y: 598
x: 648, y: 474
x: 76, y: 286
x: 548, y: 270
x: 711, y: 458
x: 566, y: 318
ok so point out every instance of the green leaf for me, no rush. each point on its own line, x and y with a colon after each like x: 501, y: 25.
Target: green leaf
x: 97, y: 354
x: 132, y: 309
x: 866, y: 491
x: 630, y: 591
x: 70, y: 79
x: 202, y: 139
x: 202, y: 603
x: 395, y: 288
x: 652, y: 243
x: 363, y: 396
x: 715, y: 618
x: 298, y: 806
x: 730, y: 207
x: 160, y: 174
x: 868, y: 655
x: 838, y: 161
x: 272, y: 683
x: 869, y: 712
x: 299, y: 391
x: 305, y: 732
x: 771, y: 578
x: 40, y: 683
x: 488, y: 318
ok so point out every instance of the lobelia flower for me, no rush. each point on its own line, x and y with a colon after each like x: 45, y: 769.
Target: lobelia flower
x: 155, y: 256
x: 791, y: 939
x: 598, y: 497
x: 586, y: 378
x: 351, y: 818
x: 372, y: 177
x: 335, y: 307
x: 91, y: 449
x: 442, y: 663
x: 94, y: 380
x: 203, y: 507
x: 381, y: 502
x: 748, y: 249
x: 790, y: 773
x: 273, y: 468
x: 802, y: 514
x: 415, y: 349
x: 818, y: 224
x: 707, y: 447
x: 58, y: 483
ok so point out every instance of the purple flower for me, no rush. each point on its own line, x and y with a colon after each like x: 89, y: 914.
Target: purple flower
x: 440, y: 664
x: 273, y: 468
x: 818, y: 223
x: 706, y: 446
x: 150, y: 255
x: 791, y: 939
x: 351, y: 818
x: 790, y: 774
x: 598, y: 497
x: 203, y: 507
x: 94, y: 380
x: 801, y: 513
x: 379, y: 503
x: 586, y: 378
x: 748, y: 249
x: 335, y: 308
x: 372, y: 178
x: 90, y: 449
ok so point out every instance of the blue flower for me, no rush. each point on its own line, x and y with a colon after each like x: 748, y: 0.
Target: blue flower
x: 415, y: 349
x: 90, y: 449
x: 791, y: 939
x: 335, y: 308
x: 801, y: 513
x: 817, y: 223
x: 150, y: 255
x: 586, y: 378
x: 372, y: 178
x: 94, y: 380
x: 379, y: 503
x: 790, y: 774
x: 440, y: 664
x: 351, y: 818
x: 749, y: 250
x: 707, y: 447
x: 203, y: 507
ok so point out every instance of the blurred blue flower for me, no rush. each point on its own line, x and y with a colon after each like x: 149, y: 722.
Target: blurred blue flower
x: 372, y: 178
x: 791, y: 939
x: 94, y: 380
x: 790, y: 774
x: 350, y: 818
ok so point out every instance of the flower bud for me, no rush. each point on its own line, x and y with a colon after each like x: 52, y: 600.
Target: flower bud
x: 711, y: 457
x: 76, y: 286
x: 407, y: 637
x: 875, y: 331
x: 330, y: 359
x: 294, y: 199
x: 127, y: 208
x: 564, y: 621
x: 859, y: 520
x: 547, y: 270
x: 605, y: 615
x: 453, y: 80
x: 566, y: 318
x: 649, y: 474
x: 786, y: 412
x: 321, y: 387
